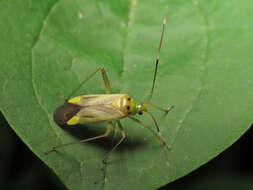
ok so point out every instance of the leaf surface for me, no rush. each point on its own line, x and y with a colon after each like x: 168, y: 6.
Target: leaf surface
x: 205, y: 70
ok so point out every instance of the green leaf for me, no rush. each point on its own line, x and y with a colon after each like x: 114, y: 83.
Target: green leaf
x: 205, y: 69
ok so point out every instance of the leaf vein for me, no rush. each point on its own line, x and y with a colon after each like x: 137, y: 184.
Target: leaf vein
x: 124, y: 45
x: 32, y: 62
x: 202, y: 76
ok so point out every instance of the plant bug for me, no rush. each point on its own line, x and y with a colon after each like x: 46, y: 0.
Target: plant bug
x: 108, y: 107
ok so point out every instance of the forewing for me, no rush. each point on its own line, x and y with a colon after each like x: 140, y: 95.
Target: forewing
x: 97, y: 108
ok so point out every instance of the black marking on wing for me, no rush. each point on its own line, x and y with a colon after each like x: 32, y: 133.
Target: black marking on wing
x: 65, y: 112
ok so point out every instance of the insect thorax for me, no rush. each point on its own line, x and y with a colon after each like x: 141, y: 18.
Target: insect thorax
x: 126, y: 104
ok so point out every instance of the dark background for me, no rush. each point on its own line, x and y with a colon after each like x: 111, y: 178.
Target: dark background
x: 21, y: 169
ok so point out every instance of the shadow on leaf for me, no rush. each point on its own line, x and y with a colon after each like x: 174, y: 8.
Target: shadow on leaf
x: 82, y: 132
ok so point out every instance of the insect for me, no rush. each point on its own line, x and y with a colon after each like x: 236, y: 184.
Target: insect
x: 108, y: 107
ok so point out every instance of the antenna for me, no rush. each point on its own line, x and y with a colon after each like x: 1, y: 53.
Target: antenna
x: 158, y: 56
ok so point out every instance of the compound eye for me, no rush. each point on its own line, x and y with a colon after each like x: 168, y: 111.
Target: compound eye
x: 140, y: 112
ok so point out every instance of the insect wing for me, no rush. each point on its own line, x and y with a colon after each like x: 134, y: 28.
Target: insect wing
x: 99, y: 108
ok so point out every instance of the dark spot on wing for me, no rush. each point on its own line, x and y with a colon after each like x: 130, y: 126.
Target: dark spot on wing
x: 65, y: 112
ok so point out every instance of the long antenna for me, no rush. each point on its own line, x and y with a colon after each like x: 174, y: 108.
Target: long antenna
x: 158, y: 56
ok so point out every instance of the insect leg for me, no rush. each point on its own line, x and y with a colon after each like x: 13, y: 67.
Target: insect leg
x: 157, y: 135
x: 107, y: 132
x: 62, y: 96
x: 105, y: 78
x: 106, y: 81
x: 120, y: 141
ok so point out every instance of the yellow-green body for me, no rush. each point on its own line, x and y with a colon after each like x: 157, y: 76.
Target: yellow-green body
x: 102, y: 107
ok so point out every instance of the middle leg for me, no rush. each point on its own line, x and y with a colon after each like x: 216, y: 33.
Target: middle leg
x: 120, y: 141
